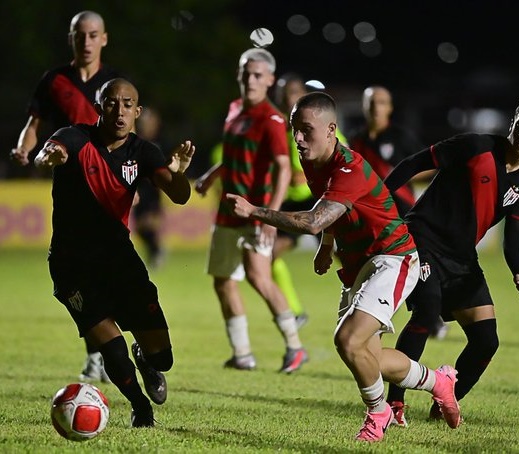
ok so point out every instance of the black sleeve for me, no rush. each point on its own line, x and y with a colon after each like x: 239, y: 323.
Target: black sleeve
x: 153, y: 158
x: 71, y: 137
x: 511, y: 244
x: 457, y: 150
x: 40, y: 104
x: 408, y: 168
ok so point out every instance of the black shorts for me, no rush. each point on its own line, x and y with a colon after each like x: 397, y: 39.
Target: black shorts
x: 113, y: 285
x: 448, y: 285
x: 292, y: 205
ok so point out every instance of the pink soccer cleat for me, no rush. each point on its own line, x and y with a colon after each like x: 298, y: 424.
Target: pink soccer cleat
x: 375, y: 425
x: 443, y: 395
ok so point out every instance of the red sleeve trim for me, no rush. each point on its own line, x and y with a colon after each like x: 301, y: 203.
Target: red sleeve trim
x: 434, y: 157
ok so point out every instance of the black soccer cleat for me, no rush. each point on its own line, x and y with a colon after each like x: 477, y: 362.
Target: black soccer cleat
x: 154, y: 381
x: 143, y: 418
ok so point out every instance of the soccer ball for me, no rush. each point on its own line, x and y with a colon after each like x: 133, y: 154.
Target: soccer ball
x: 79, y: 411
x: 262, y: 38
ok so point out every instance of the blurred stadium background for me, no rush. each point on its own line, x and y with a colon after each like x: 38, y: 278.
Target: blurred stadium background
x: 451, y: 66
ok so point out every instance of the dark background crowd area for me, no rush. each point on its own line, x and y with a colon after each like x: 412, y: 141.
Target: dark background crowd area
x: 452, y: 66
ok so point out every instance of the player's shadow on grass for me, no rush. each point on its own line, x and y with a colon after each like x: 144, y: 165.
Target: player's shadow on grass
x: 333, y: 407
x: 243, y: 439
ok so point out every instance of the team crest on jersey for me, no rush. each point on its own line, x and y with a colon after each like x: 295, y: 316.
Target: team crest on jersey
x: 511, y: 196
x: 76, y: 301
x: 386, y: 150
x: 130, y: 171
x: 425, y: 271
x: 241, y: 126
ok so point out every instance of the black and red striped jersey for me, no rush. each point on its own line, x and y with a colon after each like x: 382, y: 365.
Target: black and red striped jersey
x: 471, y: 193
x: 62, y: 98
x: 384, y: 152
x: 93, y: 191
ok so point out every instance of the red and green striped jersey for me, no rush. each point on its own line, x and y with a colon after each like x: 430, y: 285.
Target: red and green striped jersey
x: 252, y: 138
x: 372, y: 226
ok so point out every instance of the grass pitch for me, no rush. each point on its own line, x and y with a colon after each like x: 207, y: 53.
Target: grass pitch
x: 209, y: 409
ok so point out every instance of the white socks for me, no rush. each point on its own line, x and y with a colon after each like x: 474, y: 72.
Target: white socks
x: 418, y: 377
x: 286, y: 323
x: 238, y: 333
x: 373, y: 396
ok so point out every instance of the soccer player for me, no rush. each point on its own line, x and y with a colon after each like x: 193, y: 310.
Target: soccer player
x: 289, y: 88
x: 255, y: 164
x: 384, y: 144
x: 477, y: 185
x: 65, y: 96
x: 97, y: 274
x: 378, y: 256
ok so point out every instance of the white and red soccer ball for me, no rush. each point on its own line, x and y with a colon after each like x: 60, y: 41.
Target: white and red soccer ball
x: 79, y: 411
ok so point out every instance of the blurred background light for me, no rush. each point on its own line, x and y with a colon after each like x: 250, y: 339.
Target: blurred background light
x: 298, y: 24
x: 448, y: 52
x: 334, y: 33
x: 371, y: 49
x: 364, y: 32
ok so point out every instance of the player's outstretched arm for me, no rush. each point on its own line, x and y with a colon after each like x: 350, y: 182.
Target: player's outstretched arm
x: 408, y: 168
x: 172, y: 180
x: 26, y: 142
x: 321, y: 216
x: 203, y: 183
x: 52, y: 154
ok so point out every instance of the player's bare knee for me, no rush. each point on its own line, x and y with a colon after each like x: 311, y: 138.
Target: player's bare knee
x: 223, y: 286
x: 258, y: 282
x: 346, y: 345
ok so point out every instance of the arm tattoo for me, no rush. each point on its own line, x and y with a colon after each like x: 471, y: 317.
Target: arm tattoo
x: 322, y: 215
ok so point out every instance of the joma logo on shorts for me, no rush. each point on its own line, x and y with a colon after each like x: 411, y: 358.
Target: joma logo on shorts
x: 76, y: 301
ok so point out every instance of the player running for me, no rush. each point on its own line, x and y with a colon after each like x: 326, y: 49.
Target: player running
x: 379, y: 259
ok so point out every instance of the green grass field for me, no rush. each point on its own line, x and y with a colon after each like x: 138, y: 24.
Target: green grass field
x: 210, y: 409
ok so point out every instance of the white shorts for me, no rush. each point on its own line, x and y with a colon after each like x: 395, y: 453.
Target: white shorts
x: 381, y: 286
x: 226, y: 251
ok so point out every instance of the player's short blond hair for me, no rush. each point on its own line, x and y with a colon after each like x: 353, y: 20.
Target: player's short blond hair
x: 255, y: 54
x: 86, y: 15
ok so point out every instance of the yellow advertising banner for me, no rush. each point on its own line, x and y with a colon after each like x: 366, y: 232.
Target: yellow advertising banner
x: 26, y: 211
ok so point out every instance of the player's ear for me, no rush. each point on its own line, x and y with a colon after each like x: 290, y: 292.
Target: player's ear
x: 105, y: 39
x: 332, y: 128
x: 271, y: 80
x: 70, y: 39
x: 138, y: 111
x: 98, y: 108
